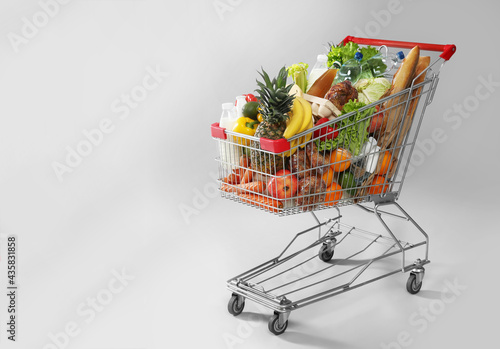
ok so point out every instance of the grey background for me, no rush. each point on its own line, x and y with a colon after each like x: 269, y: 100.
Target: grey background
x: 120, y: 208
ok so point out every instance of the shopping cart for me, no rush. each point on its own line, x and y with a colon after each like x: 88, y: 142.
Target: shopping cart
x: 330, y: 177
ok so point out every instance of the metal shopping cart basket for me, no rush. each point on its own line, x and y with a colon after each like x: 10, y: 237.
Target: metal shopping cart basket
x: 329, y: 175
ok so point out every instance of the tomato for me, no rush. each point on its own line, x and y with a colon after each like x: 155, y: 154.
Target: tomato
x: 330, y: 132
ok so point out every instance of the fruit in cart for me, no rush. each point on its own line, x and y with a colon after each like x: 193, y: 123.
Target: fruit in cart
x: 340, y: 160
x: 329, y: 176
x: 307, y: 113
x: 327, y: 132
x: 276, y: 103
x: 251, y: 110
x: 246, y: 126
x: 376, y: 121
x: 333, y: 194
x: 384, y: 163
x: 295, y: 120
x: 378, y: 186
x: 283, y: 185
x: 348, y: 182
x: 250, y: 97
x: 304, y: 139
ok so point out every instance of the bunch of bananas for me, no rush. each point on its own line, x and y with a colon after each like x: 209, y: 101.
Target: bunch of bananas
x: 301, y: 119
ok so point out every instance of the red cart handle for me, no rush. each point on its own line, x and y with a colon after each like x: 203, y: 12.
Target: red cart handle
x: 448, y: 50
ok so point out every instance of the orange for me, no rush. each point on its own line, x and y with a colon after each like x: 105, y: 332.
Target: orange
x: 329, y: 177
x: 339, y: 160
x: 379, y: 186
x: 333, y: 194
x: 386, y: 160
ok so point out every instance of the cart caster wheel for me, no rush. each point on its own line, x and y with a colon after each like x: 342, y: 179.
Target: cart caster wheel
x: 325, y: 254
x: 234, y: 307
x: 412, y: 286
x: 274, y: 325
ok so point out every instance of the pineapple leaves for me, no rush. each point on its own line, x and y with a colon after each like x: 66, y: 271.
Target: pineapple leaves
x: 274, y: 98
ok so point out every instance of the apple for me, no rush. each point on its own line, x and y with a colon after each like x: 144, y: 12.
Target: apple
x: 283, y: 186
x: 376, y: 123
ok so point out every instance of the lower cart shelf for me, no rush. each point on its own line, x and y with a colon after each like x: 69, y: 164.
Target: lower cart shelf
x: 339, y: 260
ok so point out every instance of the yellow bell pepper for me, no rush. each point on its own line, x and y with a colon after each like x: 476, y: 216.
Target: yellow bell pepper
x: 245, y: 126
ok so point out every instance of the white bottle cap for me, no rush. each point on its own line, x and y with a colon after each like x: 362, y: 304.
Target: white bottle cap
x: 322, y: 58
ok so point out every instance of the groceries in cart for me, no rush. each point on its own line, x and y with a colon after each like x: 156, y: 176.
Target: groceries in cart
x: 333, y: 137
x: 341, y: 135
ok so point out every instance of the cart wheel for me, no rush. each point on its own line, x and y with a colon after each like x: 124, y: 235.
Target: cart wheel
x: 274, y: 326
x: 325, y: 254
x: 233, y: 307
x: 411, y: 284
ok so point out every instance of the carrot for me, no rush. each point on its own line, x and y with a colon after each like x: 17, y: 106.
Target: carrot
x: 244, y: 161
x: 233, y: 178
x: 247, y: 176
x: 262, y: 201
x: 255, y: 187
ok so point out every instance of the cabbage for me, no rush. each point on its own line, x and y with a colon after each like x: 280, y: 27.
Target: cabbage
x: 370, y: 90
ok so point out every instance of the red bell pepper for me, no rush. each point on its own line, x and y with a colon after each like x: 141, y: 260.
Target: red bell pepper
x: 328, y: 132
x: 249, y: 98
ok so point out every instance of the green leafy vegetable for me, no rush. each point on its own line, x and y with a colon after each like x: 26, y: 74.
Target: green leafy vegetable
x: 340, y: 54
x: 368, y: 52
x: 298, y: 72
x: 371, y: 90
x: 353, y: 130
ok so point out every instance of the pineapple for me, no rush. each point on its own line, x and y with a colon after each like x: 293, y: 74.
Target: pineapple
x: 276, y: 103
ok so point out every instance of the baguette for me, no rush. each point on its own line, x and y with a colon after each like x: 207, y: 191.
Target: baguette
x: 423, y: 64
x: 395, y: 106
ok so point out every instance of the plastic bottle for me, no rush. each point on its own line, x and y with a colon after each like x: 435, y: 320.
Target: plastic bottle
x: 240, y: 102
x: 322, y: 85
x: 229, y: 153
x: 319, y: 69
x: 350, y: 70
x: 371, y: 150
x: 391, y: 60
